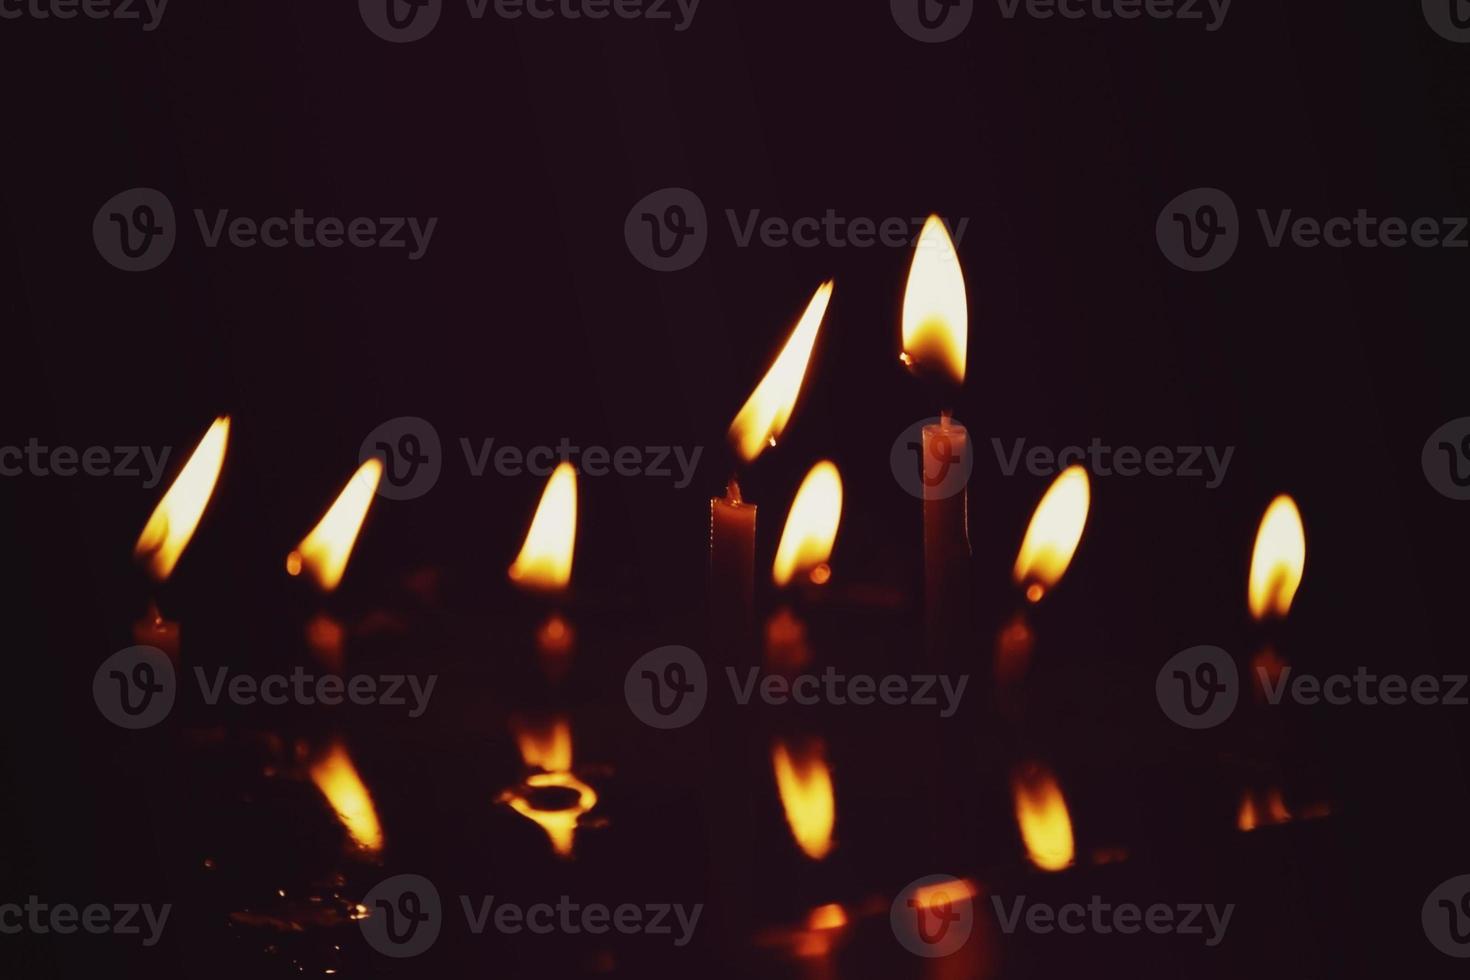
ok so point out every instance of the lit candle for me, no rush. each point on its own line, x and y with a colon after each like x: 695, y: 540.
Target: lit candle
x: 544, y: 566
x: 171, y: 526
x: 1041, y: 815
x: 935, y: 334
x: 551, y: 796
x: 758, y: 424
x: 1277, y: 562
x: 802, y: 561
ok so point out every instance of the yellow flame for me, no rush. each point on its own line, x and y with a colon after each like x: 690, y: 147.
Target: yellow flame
x: 811, y: 526
x: 1041, y: 812
x: 545, y: 561
x: 173, y: 521
x: 1055, y: 529
x: 324, y: 552
x: 549, y: 748
x: 337, y: 778
x: 942, y: 893
x: 936, y: 324
x: 765, y: 413
x: 805, y: 784
x: 1277, y: 562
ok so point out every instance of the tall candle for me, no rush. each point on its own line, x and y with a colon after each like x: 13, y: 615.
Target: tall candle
x: 946, y: 538
x: 544, y: 566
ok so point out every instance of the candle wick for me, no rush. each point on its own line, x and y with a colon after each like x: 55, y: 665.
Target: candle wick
x: 732, y: 491
x: 946, y: 416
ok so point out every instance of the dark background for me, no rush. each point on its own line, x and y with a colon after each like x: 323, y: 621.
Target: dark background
x: 528, y: 320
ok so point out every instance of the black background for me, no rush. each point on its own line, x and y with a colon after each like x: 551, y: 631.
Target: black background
x: 528, y: 320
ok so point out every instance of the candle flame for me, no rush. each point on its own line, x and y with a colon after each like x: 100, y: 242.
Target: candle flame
x: 824, y: 926
x: 1041, y: 812
x: 324, y: 552
x: 811, y: 527
x: 805, y: 784
x: 173, y: 521
x: 549, y: 749
x: 337, y: 778
x: 935, y: 313
x: 1277, y: 562
x: 1052, y: 536
x: 943, y: 893
x: 765, y: 413
x: 545, y: 561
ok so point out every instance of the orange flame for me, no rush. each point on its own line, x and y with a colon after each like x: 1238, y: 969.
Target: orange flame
x: 545, y: 561
x: 1278, y: 559
x: 941, y: 893
x: 764, y: 416
x: 324, y: 552
x: 173, y: 521
x: 936, y: 324
x: 805, y: 784
x: 337, y: 778
x: 549, y: 749
x: 1055, y: 529
x: 811, y: 526
x: 1041, y: 812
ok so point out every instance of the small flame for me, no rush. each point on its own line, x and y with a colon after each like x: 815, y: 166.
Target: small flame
x: 935, y: 315
x: 765, y: 414
x: 549, y: 748
x: 811, y: 527
x: 1045, y: 825
x: 173, y: 521
x: 1261, y: 810
x: 805, y: 784
x: 337, y: 778
x: 824, y: 926
x: 1052, y: 536
x: 1278, y: 559
x: 545, y: 561
x: 324, y: 552
x: 942, y: 893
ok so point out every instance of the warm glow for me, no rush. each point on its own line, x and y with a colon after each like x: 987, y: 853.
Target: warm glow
x: 1041, y: 812
x: 824, y: 925
x: 1278, y: 559
x: 545, y: 561
x: 935, y: 315
x: 339, y: 782
x: 811, y: 527
x: 765, y: 414
x: 1052, y: 536
x: 547, y: 747
x: 554, y: 799
x: 942, y: 893
x: 324, y: 552
x: 1261, y: 810
x: 172, y: 524
x: 805, y: 784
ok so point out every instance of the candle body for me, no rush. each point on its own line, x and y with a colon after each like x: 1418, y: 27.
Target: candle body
x: 732, y: 574
x: 154, y: 631
x: 946, y: 541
